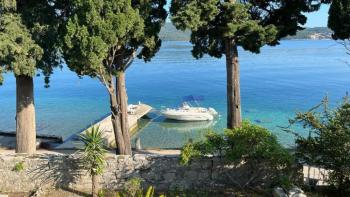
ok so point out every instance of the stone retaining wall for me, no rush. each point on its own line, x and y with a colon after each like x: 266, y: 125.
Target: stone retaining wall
x: 163, y: 172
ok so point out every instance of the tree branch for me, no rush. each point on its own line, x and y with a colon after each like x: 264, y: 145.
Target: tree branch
x: 130, y: 60
x: 101, y: 77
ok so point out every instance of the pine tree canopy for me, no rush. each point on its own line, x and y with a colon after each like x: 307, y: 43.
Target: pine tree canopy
x: 37, y: 24
x: 99, y: 32
x: 252, y: 23
x: 153, y: 15
x: 44, y: 18
x: 339, y: 19
x: 18, y: 51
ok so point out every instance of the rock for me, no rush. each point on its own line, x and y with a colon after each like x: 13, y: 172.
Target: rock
x: 299, y: 195
x: 296, y: 192
x: 169, y: 176
x: 279, y: 192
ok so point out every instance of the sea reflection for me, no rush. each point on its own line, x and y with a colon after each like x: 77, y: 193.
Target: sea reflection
x: 175, y: 125
x: 181, y: 126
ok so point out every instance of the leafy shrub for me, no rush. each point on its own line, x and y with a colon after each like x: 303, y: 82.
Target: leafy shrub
x: 133, y: 188
x: 328, y: 143
x: 252, y: 145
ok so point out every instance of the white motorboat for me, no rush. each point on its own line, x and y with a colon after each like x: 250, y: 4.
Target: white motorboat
x: 189, y: 113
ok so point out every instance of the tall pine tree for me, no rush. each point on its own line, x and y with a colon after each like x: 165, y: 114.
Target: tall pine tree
x: 339, y: 21
x: 101, y: 40
x: 219, y: 27
x: 28, y: 43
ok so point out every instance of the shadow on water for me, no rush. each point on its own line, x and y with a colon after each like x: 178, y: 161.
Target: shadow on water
x: 176, y: 125
x: 186, y: 126
x: 170, y: 134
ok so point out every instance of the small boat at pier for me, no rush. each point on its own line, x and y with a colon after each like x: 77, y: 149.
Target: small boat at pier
x: 189, y: 113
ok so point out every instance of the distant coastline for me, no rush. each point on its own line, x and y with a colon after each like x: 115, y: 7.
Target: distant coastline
x: 170, y: 33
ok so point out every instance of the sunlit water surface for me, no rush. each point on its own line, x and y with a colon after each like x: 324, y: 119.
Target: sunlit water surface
x: 275, y: 84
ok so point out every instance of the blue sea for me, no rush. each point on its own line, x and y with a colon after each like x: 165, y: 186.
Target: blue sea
x: 275, y: 84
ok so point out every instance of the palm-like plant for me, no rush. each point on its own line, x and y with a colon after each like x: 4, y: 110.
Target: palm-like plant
x: 139, y: 193
x: 93, y: 155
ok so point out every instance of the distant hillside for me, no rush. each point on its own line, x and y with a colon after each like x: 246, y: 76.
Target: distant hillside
x: 170, y: 33
x: 315, y: 33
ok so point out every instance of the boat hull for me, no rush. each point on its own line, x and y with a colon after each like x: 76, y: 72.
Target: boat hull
x: 188, y: 117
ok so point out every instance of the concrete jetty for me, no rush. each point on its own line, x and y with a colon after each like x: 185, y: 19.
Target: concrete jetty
x: 107, y: 128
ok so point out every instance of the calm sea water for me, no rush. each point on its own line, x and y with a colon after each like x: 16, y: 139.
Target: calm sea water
x: 275, y: 84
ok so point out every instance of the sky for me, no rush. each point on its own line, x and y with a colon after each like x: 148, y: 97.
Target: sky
x: 319, y: 18
x: 315, y: 19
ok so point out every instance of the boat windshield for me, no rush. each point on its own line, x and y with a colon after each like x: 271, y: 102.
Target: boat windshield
x: 192, y: 99
x: 185, y: 106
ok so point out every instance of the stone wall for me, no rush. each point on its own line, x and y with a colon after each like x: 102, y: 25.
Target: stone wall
x: 162, y: 171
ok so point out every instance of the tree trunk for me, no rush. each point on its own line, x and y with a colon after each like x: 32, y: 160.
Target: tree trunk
x: 123, y: 106
x: 115, y: 117
x: 94, y: 189
x: 234, y: 117
x: 25, y: 115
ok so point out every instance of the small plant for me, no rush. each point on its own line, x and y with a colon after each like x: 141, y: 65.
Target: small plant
x: 93, y: 155
x: 19, y: 166
x: 133, y: 188
x: 101, y: 193
x: 149, y: 193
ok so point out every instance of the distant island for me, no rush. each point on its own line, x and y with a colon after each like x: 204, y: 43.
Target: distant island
x: 315, y: 33
x: 170, y: 33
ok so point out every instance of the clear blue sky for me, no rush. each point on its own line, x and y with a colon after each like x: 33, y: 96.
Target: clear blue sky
x: 315, y: 19
x: 319, y: 18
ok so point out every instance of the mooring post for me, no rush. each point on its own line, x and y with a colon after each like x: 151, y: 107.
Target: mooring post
x: 138, y: 144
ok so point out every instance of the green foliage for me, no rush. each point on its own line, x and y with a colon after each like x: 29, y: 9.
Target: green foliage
x: 1, y: 77
x: 28, y: 37
x: 133, y: 188
x: 251, y: 24
x: 327, y: 144
x: 45, y: 19
x: 95, y: 29
x: 93, y: 154
x: 102, y: 36
x: 18, y: 51
x: 8, y: 5
x: 250, y: 144
x: 18, y: 167
x: 339, y: 19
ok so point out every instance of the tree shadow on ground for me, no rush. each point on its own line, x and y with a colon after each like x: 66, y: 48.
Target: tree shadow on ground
x: 59, y: 171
